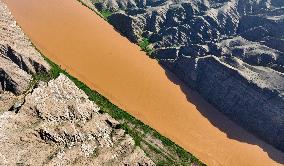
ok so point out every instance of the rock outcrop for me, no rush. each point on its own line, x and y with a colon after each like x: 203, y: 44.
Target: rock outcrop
x: 18, y: 58
x: 59, y: 118
x: 53, y: 122
x: 231, y: 51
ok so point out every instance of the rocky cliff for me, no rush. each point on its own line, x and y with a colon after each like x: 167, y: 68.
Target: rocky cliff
x: 231, y: 51
x: 52, y: 122
x: 58, y: 125
x: 18, y: 58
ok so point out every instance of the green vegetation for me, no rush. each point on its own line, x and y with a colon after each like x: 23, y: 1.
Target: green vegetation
x: 170, y: 154
x: 103, y: 14
x: 144, y: 45
x: 106, y: 14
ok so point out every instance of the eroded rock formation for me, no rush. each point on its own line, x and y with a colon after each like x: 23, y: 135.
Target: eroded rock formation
x: 58, y: 124
x: 231, y: 51
x: 18, y: 58
x: 54, y: 122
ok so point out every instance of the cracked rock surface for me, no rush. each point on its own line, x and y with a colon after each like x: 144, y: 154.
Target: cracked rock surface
x: 231, y: 51
x: 59, y: 125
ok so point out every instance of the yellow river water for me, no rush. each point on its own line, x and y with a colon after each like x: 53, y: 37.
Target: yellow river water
x: 91, y: 50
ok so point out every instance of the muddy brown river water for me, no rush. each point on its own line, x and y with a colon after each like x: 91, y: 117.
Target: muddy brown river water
x: 91, y: 50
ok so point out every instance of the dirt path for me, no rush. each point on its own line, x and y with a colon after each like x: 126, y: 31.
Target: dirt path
x: 91, y: 50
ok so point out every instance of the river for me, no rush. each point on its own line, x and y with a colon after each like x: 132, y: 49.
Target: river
x: 91, y: 50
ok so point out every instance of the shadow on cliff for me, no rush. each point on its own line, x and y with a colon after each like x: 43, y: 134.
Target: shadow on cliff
x: 220, y: 121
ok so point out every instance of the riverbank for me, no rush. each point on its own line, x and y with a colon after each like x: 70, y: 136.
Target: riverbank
x: 91, y: 50
x: 160, y: 149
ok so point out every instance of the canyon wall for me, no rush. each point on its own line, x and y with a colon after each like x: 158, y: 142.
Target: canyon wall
x: 230, y: 51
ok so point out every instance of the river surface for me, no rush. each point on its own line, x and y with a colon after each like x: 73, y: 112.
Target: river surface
x: 91, y: 50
